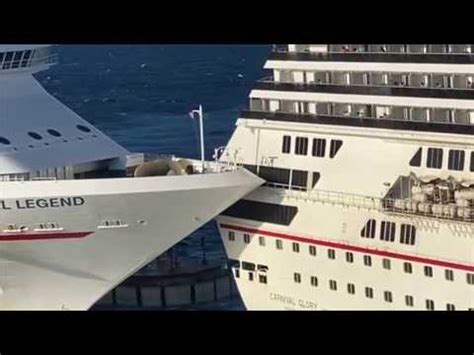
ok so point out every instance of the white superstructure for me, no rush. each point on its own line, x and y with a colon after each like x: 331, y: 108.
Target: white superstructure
x: 368, y: 155
x: 76, y: 217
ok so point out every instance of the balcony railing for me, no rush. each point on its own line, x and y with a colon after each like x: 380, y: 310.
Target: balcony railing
x: 283, y: 48
x: 270, y: 81
x: 375, y: 90
x: 448, y: 213
x: 374, y: 57
x: 27, y: 59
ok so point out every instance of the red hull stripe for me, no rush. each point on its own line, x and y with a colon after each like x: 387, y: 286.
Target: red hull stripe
x: 349, y: 247
x: 21, y: 236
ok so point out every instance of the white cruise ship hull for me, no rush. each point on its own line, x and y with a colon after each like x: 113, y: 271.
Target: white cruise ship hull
x: 104, y: 231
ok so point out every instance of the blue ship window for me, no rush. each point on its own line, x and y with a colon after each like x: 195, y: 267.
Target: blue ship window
x: 8, y: 59
x: 16, y: 60
x: 35, y: 135
x: 83, y: 128
x: 26, y: 56
x: 54, y: 133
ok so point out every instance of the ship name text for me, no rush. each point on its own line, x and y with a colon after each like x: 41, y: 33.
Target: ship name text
x: 41, y: 203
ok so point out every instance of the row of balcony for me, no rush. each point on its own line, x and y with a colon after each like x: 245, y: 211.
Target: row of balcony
x: 350, y: 110
x: 414, y: 80
x: 378, y: 48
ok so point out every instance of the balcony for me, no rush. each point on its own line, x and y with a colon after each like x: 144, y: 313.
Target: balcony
x: 369, y: 53
x: 358, y: 89
x: 326, y: 114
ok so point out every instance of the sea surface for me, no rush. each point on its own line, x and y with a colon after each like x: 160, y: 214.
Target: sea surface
x: 140, y: 95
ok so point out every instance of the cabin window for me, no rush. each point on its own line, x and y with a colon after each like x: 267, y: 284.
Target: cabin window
x: 297, y: 277
x: 35, y: 135
x: 286, y: 148
x: 54, y: 133
x: 408, y: 268
x: 387, y: 231
x: 409, y: 301
x: 296, y: 247
x: 335, y: 146
x: 449, y: 275
x: 237, y: 273
x: 26, y: 56
x: 301, y: 146
x: 314, y: 281
x: 349, y: 257
x: 369, y: 229
x: 299, y: 179
x: 472, y: 161
x: 312, y: 250
x: 367, y: 260
x: 319, y: 147
x: 450, y: 307
x: 316, y: 177
x: 351, y: 289
x: 231, y: 236
x: 261, y: 241
x: 83, y: 128
x: 16, y: 59
x: 262, y: 279
x: 248, y: 266
x: 273, y: 175
x: 4, y: 141
x: 250, y: 276
x: 435, y: 158
x: 428, y: 271
x: 8, y: 59
x: 430, y: 305
x: 416, y: 160
x: 246, y: 238
x: 333, y: 285
x: 407, y: 234
x: 456, y: 160
x: 331, y: 254
x: 369, y: 292
x: 470, y: 278
x: 262, y: 211
x: 387, y: 295
x: 279, y: 244
x: 386, y: 264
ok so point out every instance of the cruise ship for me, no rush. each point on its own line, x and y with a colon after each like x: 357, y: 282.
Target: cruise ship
x: 80, y: 213
x: 368, y: 157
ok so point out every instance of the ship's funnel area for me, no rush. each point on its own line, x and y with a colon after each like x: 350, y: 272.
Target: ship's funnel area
x: 164, y: 167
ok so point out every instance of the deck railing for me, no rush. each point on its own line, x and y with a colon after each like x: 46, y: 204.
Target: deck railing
x: 447, y: 212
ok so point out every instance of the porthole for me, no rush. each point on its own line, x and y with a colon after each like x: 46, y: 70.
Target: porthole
x: 35, y: 135
x: 54, y: 133
x: 83, y: 128
x: 4, y: 141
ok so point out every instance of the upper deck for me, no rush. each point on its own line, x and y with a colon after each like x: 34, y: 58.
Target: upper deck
x: 30, y: 58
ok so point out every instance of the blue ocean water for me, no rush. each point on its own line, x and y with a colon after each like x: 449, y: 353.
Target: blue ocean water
x: 140, y: 95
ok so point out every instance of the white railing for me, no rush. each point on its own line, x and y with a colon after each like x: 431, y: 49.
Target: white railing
x: 24, y: 63
x: 306, y: 49
x: 432, y: 210
x: 231, y: 158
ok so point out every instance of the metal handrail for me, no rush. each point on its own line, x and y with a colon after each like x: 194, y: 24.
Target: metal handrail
x: 49, y: 59
x: 266, y: 80
x: 388, y: 118
x: 284, y: 49
x: 375, y: 203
